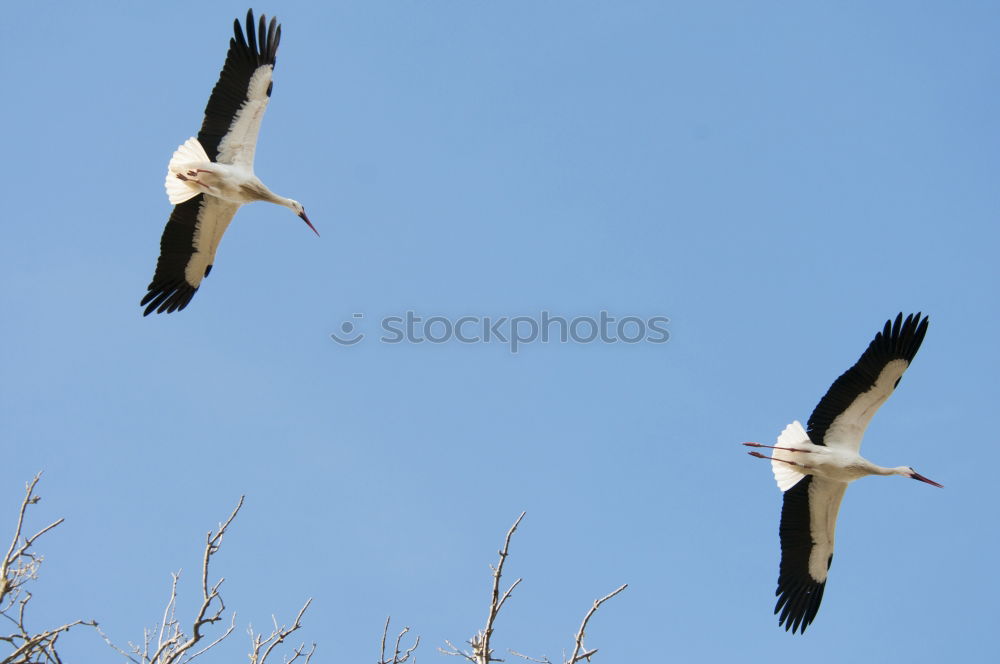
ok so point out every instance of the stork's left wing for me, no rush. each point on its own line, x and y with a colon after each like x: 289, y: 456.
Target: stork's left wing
x: 187, y: 251
x: 808, y: 521
x: 843, y: 414
x: 239, y: 99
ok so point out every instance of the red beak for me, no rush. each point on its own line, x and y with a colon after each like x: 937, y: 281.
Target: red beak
x: 308, y: 223
x: 918, y: 476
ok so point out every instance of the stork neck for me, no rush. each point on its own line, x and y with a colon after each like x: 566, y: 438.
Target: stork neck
x: 280, y: 200
x: 272, y: 197
x: 882, y: 470
x: 875, y: 469
x: 257, y: 190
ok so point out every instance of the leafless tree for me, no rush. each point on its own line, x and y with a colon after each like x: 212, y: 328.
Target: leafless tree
x: 167, y: 642
x: 172, y: 645
x: 482, y: 652
x: 18, y: 567
x: 399, y: 655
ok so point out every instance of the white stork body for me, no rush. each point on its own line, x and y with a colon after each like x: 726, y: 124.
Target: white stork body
x: 814, y: 468
x: 210, y: 176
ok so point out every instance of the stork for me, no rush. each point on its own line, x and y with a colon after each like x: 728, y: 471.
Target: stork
x: 211, y: 176
x: 813, y: 467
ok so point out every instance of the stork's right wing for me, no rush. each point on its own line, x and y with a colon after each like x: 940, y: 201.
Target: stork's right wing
x: 187, y: 251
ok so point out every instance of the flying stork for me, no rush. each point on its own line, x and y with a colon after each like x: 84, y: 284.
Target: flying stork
x: 211, y: 176
x: 813, y: 467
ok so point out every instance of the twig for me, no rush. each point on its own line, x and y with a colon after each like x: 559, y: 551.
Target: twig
x: 174, y: 647
x: 580, y: 652
x: 12, y: 578
x: 481, y: 651
x: 168, y: 651
x: 17, y: 567
x: 398, y: 656
x: 277, y: 636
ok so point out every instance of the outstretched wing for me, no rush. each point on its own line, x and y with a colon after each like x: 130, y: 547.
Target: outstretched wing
x: 843, y: 414
x: 808, y: 520
x: 239, y: 99
x: 187, y: 251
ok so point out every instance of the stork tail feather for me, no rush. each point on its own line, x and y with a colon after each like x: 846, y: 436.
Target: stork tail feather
x: 189, y: 155
x: 785, y: 474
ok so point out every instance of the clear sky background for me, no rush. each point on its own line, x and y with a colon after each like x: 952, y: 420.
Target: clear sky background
x: 776, y: 178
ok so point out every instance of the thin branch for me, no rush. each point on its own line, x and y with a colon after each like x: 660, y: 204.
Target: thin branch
x: 111, y: 644
x: 11, y: 579
x: 223, y: 637
x: 42, y: 642
x: 385, y: 631
x: 168, y: 612
x: 173, y: 646
x: 481, y: 651
x: 398, y: 656
x: 18, y: 566
x: 497, y: 601
x: 279, y: 634
x: 166, y: 653
x: 456, y: 652
x: 300, y: 651
x: 28, y: 500
x: 580, y: 652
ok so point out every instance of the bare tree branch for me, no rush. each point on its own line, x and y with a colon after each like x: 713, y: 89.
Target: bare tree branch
x: 19, y: 566
x: 543, y: 660
x: 481, y: 651
x: 174, y: 646
x: 278, y: 635
x: 220, y: 639
x: 398, y: 656
x: 580, y: 651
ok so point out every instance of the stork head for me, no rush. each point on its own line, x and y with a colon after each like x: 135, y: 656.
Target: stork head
x: 301, y: 211
x: 907, y: 471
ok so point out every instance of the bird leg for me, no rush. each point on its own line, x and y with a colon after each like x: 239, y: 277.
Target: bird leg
x: 764, y: 456
x: 192, y: 177
x: 772, y: 447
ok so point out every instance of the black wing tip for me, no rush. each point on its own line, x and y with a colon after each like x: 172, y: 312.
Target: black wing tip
x: 901, y: 338
x: 797, y: 604
x: 238, y: 37
x: 167, y: 297
x: 260, y: 39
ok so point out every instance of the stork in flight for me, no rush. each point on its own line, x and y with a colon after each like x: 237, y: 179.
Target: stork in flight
x: 814, y: 467
x: 211, y: 176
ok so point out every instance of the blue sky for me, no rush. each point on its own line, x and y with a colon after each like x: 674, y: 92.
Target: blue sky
x: 777, y: 179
